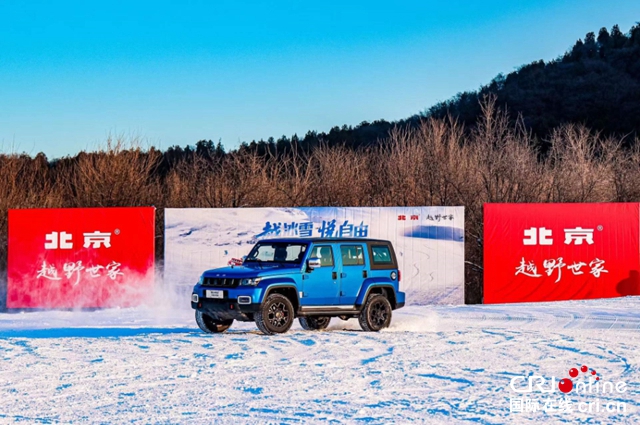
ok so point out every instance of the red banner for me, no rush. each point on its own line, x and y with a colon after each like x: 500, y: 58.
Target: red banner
x: 80, y: 257
x: 554, y: 252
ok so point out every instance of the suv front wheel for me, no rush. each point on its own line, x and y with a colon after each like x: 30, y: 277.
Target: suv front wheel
x: 275, y: 315
x: 376, y: 313
x: 210, y: 325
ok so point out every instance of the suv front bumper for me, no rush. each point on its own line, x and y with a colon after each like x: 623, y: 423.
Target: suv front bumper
x: 226, y: 309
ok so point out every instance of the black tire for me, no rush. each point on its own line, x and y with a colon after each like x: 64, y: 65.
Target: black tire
x: 314, y: 323
x: 376, y: 313
x: 211, y: 325
x: 275, y: 315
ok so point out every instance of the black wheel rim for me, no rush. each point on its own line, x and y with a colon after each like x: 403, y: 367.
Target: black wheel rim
x: 278, y: 315
x: 378, y: 314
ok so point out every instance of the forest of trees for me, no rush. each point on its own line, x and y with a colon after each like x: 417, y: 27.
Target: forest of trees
x: 595, y: 83
x: 479, y: 147
x: 439, y: 162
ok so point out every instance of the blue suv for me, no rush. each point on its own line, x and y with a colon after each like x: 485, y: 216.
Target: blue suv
x: 311, y: 279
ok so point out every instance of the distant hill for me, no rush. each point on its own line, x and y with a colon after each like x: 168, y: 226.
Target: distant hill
x: 596, y: 83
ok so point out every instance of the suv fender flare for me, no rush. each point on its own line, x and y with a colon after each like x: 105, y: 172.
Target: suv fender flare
x: 277, y: 286
x: 372, y: 283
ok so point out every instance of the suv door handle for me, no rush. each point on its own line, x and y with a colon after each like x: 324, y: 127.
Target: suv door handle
x: 364, y: 274
x: 334, y: 275
x: 343, y: 275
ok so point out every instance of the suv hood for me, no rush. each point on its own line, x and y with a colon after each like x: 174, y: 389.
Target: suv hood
x: 245, y: 272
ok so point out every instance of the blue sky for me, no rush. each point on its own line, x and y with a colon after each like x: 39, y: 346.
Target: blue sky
x: 175, y: 72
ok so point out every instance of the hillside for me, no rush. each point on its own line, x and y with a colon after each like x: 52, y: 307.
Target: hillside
x: 596, y: 83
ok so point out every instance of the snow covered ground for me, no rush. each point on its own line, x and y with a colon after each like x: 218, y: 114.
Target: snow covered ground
x: 434, y: 365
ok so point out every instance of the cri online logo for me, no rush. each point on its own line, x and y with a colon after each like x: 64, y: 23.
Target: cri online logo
x: 566, y: 385
x: 586, y: 381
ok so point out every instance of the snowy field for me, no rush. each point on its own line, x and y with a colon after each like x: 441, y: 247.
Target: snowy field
x: 434, y: 365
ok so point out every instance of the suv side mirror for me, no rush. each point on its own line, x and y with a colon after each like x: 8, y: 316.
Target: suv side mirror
x: 313, y: 263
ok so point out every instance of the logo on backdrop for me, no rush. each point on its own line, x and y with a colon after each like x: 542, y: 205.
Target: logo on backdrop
x: 64, y: 240
x: 583, y: 391
x: 428, y: 217
x: 73, y: 270
x: 542, y: 236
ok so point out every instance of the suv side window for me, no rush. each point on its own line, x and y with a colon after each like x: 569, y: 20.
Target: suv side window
x: 352, y: 255
x: 324, y: 253
x: 381, y: 255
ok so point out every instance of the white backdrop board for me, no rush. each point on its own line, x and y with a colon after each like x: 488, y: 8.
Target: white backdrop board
x: 429, y: 241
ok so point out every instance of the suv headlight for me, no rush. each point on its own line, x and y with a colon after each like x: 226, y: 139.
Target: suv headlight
x: 250, y: 282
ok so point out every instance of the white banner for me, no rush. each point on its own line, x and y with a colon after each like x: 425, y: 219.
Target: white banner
x: 428, y: 241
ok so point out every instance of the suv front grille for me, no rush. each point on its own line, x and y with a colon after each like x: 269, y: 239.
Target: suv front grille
x: 221, y: 282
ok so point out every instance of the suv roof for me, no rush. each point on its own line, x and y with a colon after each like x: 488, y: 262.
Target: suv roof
x: 298, y: 240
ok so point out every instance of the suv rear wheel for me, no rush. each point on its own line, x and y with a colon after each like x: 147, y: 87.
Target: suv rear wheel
x: 314, y: 323
x: 211, y: 325
x: 376, y: 313
x: 275, y: 315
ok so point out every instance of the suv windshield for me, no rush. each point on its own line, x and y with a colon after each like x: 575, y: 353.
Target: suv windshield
x: 277, y: 252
